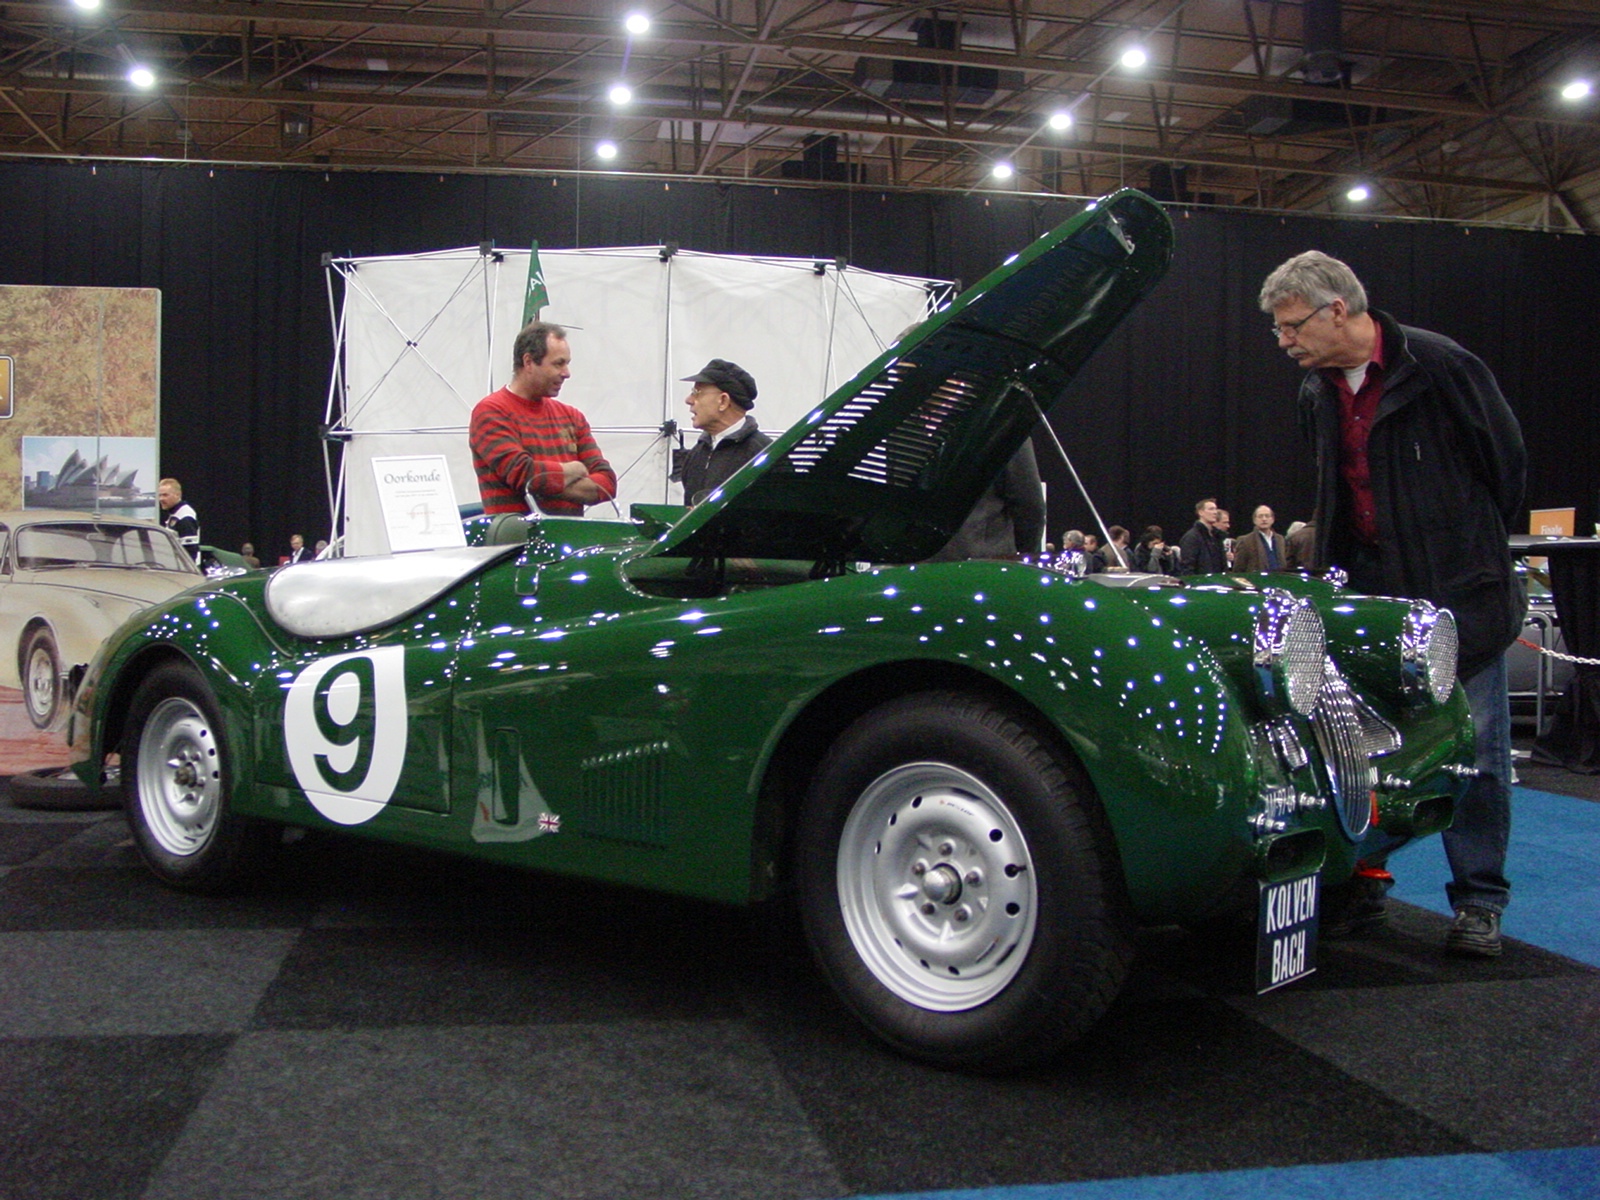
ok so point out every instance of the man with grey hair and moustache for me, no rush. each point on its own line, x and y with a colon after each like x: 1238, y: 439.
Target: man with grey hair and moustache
x: 1420, y: 470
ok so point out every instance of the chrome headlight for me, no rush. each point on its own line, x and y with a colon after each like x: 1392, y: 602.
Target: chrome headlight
x: 1428, y: 653
x: 1289, y: 649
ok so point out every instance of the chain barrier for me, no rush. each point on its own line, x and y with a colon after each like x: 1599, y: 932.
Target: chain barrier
x: 1571, y: 658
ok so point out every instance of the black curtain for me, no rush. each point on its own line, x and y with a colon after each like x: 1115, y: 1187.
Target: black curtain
x: 1190, y: 399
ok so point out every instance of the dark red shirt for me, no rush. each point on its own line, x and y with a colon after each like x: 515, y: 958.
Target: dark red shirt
x: 1356, y: 413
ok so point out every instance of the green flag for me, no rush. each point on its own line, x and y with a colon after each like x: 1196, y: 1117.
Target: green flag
x: 537, y: 295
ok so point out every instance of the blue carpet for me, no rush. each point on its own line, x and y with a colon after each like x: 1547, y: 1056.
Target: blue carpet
x: 1553, y: 865
x: 1554, y: 868
x: 1523, y: 1175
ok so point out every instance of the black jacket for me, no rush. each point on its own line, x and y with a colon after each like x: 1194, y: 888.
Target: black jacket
x: 1008, y: 518
x: 1201, y: 551
x: 705, y: 469
x: 1447, y: 466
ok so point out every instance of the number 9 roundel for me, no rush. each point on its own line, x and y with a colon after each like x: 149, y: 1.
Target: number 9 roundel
x: 344, y: 726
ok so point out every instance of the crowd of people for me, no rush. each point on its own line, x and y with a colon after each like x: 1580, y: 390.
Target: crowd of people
x: 1207, y: 547
x: 184, y: 522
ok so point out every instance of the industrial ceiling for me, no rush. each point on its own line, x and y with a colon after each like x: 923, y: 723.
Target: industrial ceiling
x: 1443, y: 109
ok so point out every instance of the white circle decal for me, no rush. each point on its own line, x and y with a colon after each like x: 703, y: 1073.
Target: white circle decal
x: 344, y: 727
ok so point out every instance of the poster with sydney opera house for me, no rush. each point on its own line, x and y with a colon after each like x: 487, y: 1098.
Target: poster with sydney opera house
x: 114, y: 475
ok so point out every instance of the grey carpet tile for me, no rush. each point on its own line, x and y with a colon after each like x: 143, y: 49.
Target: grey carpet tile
x: 26, y: 841
x: 391, y: 977
x: 374, y: 1021
x: 1158, y: 1088
x: 101, y: 843
x: 577, y: 1112
x: 1510, y: 1065
x: 89, y: 1117
x: 47, y: 898
x: 89, y: 983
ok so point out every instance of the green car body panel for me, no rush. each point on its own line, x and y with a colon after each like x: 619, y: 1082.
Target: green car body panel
x: 647, y: 725
x: 647, y: 701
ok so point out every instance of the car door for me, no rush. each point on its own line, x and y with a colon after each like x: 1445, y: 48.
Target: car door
x: 584, y: 732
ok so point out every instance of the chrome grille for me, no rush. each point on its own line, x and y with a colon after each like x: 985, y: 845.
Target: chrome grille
x: 1350, y: 734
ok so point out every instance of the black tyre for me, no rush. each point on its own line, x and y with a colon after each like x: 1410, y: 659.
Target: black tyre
x: 176, y: 783
x: 41, y: 678
x: 959, y: 884
x: 57, y: 789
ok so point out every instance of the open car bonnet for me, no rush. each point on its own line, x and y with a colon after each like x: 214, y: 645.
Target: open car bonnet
x: 887, y: 468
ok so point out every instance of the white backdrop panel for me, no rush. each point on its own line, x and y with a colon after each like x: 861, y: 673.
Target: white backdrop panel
x: 425, y: 337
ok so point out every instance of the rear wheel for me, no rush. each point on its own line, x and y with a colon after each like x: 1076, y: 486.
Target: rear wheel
x: 176, y: 782
x: 41, y: 678
x: 959, y: 884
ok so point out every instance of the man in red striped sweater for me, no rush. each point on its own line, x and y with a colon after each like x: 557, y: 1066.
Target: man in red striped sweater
x: 526, y: 444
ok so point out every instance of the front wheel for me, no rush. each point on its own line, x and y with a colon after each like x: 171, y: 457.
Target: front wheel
x: 959, y: 884
x: 176, y: 780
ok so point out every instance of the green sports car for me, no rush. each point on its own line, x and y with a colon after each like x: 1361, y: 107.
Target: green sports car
x: 975, y: 779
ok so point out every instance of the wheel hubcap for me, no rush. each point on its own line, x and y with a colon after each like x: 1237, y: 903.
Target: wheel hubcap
x: 936, y: 886
x: 179, y: 777
x: 41, y: 682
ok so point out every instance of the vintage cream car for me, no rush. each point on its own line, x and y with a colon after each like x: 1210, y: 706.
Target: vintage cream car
x: 67, y: 579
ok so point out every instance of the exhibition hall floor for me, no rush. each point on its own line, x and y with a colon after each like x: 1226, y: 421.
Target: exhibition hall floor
x: 391, y: 1024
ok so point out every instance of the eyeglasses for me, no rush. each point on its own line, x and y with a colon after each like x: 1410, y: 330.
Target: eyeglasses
x: 1294, y: 326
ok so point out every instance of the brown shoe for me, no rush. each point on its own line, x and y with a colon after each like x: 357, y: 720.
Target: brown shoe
x: 1475, y: 932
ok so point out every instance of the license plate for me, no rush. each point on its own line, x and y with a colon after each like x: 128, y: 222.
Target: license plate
x: 1286, y: 932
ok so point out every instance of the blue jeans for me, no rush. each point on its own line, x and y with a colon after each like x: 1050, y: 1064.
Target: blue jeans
x: 1476, y: 843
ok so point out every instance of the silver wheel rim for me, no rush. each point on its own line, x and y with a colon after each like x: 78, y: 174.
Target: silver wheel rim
x: 179, y: 777
x: 41, y: 681
x: 936, y: 887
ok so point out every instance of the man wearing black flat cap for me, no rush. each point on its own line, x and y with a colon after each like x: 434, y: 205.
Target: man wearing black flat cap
x: 719, y: 406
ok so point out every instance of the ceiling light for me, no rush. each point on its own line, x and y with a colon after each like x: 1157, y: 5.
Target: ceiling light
x: 87, y: 5
x: 1134, y: 58
x: 141, y: 77
x: 637, y: 23
x: 1002, y: 170
x: 621, y: 94
x: 1578, y: 89
x: 1060, y: 119
x: 1358, y: 193
x: 606, y: 150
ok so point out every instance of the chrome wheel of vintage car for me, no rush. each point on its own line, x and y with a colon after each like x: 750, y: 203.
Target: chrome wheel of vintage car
x: 176, y: 776
x: 41, y: 678
x: 959, y: 885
